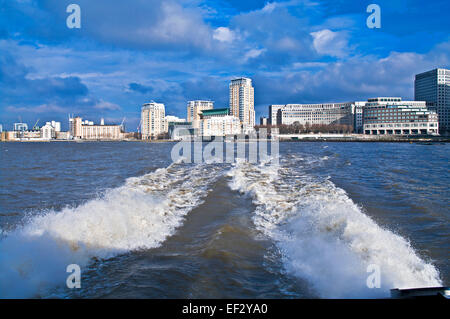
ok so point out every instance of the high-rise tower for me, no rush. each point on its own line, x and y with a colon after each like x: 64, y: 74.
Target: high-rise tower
x: 434, y: 88
x: 152, y: 120
x: 242, y: 102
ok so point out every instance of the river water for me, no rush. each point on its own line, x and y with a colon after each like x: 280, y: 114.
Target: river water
x: 309, y: 225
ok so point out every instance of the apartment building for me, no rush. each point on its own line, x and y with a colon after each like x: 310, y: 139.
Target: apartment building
x: 152, y: 120
x: 195, y: 108
x: 242, y: 101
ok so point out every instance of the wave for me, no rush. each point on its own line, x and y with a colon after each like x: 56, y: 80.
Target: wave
x: 323, y: 236
x: 141, y: 214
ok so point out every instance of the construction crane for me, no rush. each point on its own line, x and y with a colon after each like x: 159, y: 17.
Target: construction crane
x: 121, y: 125
x: 139, y: 126
x: 35, y: 127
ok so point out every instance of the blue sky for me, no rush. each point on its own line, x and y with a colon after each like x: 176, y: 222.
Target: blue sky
x: 130, y: 52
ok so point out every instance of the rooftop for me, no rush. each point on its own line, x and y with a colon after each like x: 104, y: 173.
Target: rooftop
x: 385, y: 99
x: 222, y: 111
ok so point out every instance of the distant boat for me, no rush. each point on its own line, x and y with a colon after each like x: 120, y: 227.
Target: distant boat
x: 433, y: 292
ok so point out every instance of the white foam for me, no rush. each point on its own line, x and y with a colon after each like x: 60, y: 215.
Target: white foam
x: 324, y: 237
x: 139, y: 215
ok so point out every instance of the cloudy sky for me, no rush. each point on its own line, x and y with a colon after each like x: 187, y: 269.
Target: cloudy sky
x: 130, y: 52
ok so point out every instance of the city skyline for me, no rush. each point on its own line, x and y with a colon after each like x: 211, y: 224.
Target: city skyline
x: 311, y: 53
x: 236, y: 107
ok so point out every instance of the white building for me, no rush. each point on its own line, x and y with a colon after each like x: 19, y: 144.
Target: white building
x: 242, y: 101
x: 392, y: 116
x: 221, y: 126
x: 181, y: 131
x: 346, y: 113
x: 381, y: 101
x: 218, y: 122
x: 49, y: 130
x: 195, y: 108
x: 152, y: 120
x: 358, y: 114
x: 325, y: 114
x: 274, y: 115
x: 171, y: 119
x: 20, y: 127
x: 434, y: 88
x: 87, y: 130
x: 56, y: 126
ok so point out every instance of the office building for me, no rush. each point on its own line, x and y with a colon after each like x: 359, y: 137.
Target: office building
x: 311, y: 114
x: 152, y: 120
x: 358, y: 116
x: 274, y: 114
x: 242, y: 103
x: 434, y: 88
x: 392, y: 116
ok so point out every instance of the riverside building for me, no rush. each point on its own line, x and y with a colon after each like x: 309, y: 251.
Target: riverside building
x: 274, y: 115
x: 219, y: 122
x: 87, y: 130
x: 324, y: 114
x: 392, y: 116
x: 194, y: 110
x: 170, y: 119
x: 181, y: 131
x: 152, y: 120
x: 50, y: 129
x: 242, y: 102
x: 434, y: 88
x: 20, y: 127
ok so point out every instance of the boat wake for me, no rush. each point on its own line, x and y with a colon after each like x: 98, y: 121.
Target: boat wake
x: 141, y: 214
x: 322, y: 236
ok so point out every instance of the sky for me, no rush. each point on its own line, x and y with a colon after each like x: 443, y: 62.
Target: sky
x: 127, y: 53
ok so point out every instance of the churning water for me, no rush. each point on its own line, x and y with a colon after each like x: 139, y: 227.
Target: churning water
x: 141, y: 226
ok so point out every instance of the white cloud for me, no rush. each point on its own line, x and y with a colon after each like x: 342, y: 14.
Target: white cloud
x: 288, y: 43
x: 104, y: 105
x: 327, y: 42
x: 253, y: 53
x: 355, y: 78
x: 269, y: 7
x: 302, y: 65
x: 155, y: 24
x: 223, y: 34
